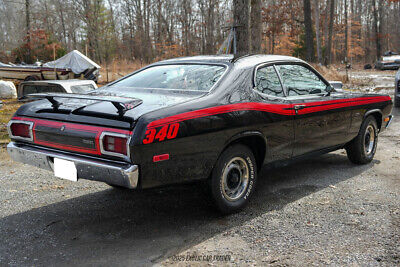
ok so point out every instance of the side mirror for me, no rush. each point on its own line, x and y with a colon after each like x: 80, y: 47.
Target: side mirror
x: 336, y: 85
x: 329, y: 90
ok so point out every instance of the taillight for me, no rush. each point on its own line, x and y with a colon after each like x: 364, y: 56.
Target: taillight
x: 20, y: 130
x: 114, y: 144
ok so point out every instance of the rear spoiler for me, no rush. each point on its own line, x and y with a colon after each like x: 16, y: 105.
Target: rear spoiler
x: 122, y: 104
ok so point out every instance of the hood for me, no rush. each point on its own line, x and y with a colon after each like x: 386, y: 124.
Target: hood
x: 104, y: 113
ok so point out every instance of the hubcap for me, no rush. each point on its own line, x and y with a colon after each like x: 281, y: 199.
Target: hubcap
x: 369, y: 140
x: 235, y: 179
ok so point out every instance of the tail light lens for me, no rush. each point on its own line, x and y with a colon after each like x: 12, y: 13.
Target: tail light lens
x: 20, y: 130
x: 114, y: 144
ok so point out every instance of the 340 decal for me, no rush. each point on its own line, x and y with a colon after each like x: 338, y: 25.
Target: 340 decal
x: 169, y: 131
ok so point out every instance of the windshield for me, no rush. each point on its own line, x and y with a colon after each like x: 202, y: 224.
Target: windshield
x: 182, y: 77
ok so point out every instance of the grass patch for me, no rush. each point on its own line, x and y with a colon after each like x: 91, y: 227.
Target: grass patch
x: 330, y: 73
x: 10, y: 106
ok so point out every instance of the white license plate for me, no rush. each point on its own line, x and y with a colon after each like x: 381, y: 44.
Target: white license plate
x: 65, y: 169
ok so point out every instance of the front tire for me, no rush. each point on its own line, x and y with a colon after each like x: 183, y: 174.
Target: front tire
x: 233, y: 178
x: 361, y: 150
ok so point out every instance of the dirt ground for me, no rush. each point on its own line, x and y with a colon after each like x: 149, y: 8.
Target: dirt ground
x: 323, y: 211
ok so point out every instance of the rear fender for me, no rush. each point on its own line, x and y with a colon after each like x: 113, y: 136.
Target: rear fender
x: 377, y: 113
x: 259, y: 145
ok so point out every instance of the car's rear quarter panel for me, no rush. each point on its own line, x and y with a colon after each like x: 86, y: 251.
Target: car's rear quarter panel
x: 200, y: 140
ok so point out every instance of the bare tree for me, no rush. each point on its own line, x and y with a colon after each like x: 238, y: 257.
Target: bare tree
x: 241, y: 22
x: 317, y: 31
x: 308, y: 30
x: 346, y: 32
x: 255, y: 26
x: 148, y: 30
x: 331, y: 18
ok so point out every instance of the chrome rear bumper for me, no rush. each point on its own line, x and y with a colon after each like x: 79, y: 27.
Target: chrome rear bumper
x: 111, y: 172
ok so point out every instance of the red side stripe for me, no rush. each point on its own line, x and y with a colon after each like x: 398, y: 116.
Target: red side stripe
x: 274, y: 108
x: 281, y: 109
x: 335, y: 104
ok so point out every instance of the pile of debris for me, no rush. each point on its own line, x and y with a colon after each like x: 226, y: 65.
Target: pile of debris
x: 71, y: 66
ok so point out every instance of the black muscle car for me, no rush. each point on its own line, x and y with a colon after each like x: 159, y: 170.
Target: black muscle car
x: 212, y: 118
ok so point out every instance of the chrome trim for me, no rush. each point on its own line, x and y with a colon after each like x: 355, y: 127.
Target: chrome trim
x: 105, y: 152
x: 120, y: 174
x: 30, y: 123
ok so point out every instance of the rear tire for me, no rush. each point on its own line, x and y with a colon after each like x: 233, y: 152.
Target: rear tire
x: 233, y: 178
x: 361, y: 150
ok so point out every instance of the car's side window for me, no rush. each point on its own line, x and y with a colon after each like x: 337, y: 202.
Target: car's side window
x: 267, y: 81
x: 299, y: 80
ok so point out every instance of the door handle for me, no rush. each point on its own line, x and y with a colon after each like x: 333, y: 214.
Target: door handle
x: 298, y: 107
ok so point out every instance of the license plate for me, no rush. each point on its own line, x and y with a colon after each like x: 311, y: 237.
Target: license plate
x: 65, y: 169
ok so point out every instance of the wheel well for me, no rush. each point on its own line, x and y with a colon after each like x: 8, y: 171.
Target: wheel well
x: 257, y: 146
x: 378, y: 118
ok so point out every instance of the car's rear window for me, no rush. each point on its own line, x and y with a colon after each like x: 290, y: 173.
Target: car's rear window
x: 194, y: 77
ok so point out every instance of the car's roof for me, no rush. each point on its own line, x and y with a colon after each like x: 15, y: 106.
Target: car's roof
x: 60, y: 82
x: 246, y: 59
x: 257, y: 59
x: 205, y: 59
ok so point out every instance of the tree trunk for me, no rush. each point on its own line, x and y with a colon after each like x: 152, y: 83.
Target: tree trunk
x: 317, y: 31
x: 309, y: 31
x: 326, y: 28
x: 256, y: 26
x: 241, y: 22
x: 346, y: 32
x: 210, y: 49
x: 28, y: 58
x: 331, y: 18
x: 376, y: 29
x: 381, y: 25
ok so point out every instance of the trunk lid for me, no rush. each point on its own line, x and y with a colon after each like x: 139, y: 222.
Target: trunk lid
x: 103, y: 113
x: 77, y: 124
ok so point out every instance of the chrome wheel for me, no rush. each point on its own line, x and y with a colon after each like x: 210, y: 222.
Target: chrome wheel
x: 369, y: 140
x: 235, y: 179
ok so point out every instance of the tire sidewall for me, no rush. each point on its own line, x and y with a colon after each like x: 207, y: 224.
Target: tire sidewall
x: 222, y: 203
x: 369, y: 121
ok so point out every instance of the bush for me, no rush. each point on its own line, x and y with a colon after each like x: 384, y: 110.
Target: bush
x: 41, y: 47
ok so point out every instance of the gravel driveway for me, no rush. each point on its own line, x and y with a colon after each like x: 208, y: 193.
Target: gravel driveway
x: 321, y: 211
